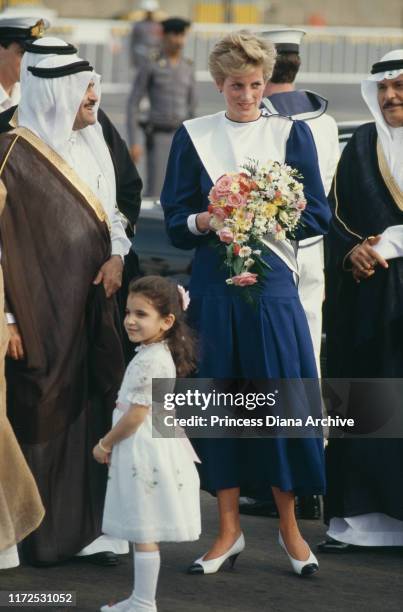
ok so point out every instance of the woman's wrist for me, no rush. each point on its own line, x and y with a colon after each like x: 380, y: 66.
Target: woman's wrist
x: 103, y: 448
x: 202, y: 221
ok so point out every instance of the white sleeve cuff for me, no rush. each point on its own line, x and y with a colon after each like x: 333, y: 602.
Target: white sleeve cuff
x: 121, y: 245
x: 191, y: 221
x: 10, y: 318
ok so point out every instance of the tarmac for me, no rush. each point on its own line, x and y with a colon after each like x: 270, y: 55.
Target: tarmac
x: 262, y: 580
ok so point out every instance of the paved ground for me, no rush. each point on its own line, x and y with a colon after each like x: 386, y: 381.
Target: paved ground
x: 369, y: 580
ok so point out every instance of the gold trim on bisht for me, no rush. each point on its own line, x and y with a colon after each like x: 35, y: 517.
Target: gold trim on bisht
x: 393, y: 187
x: 5, y: 158
x: 336, y: 210
x: 14, y: 119
x: 64, y: 169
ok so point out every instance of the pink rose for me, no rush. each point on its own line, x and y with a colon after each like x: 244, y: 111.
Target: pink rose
x: 223, y: 186
x: 236, y: 200
x: 213, y: 195
x: 225, y: 235
x: 219, y: 213
x: 244, y: 279
x: 301, y: 204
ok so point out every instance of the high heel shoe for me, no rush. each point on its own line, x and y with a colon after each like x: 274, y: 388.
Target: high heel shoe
x: 213, y: 565
x: 302, y: 568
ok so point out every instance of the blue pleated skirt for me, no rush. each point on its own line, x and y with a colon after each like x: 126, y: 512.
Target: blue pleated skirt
x: 269, y: 339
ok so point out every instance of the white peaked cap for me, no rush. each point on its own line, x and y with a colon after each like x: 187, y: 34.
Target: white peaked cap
x: 149, y: 5
x: 22, y: 27
x: 286, y: 40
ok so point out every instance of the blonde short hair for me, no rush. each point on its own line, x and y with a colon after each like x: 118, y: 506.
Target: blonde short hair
x: 241, y: 52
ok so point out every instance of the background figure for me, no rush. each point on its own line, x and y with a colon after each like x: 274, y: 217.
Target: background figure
x: 282, y: 98
x: 145, y: 38
x: 21, y: 509
x: 169, y: 83
x: 364, y: 296
x: 14, y: 32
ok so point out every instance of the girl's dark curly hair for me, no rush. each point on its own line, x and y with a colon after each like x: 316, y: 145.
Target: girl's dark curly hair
x: 166, y: 299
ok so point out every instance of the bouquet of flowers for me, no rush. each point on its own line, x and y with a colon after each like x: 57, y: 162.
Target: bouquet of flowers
x: 248, y: 206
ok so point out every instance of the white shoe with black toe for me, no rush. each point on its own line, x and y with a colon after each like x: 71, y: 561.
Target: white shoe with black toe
x: 302, y: 568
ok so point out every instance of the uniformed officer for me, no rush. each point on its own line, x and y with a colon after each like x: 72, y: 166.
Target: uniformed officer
x: 169, y: 84
x: 281, y: 97
x: 145, y: 38
x: 14, y: 32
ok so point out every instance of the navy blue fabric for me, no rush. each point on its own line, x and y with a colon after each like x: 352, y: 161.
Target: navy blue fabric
x: 238, y: 340
x: 293, y: 103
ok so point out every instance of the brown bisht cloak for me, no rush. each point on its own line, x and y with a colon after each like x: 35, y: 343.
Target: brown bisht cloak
x: 55, y: 237
x: 21, y: 509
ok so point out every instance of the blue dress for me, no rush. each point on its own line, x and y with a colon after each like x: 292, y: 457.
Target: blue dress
x: 239, y: 340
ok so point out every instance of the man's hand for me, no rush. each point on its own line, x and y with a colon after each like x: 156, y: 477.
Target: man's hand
x: 15, y: 348
x: 110, y: 274
x: 136, y: 152
x: 364, y: 259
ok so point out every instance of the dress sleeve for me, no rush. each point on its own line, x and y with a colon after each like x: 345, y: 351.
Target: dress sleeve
x: 138, y: 389
x: 181, y: 194
x: 146, y: 367
x: 301, y: 154
x: 128, y: 181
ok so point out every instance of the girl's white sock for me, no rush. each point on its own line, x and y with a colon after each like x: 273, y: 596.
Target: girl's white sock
x: 146, y: 571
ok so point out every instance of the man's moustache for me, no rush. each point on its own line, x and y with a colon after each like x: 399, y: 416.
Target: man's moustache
x: 386, y: 106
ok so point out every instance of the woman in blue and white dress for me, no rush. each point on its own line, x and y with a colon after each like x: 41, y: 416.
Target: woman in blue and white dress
x: 267, y: 340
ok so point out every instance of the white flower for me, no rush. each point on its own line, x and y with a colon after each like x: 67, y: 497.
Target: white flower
x: 216, y: 224
x: 257, y: 252
x: 249, y: 263
x: 245, y: 251
x: 280, y: 235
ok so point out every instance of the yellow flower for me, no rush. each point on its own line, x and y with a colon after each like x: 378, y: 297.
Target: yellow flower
x: 271, y: 210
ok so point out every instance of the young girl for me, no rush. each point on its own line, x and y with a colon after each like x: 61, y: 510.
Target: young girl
x: 153, y: 487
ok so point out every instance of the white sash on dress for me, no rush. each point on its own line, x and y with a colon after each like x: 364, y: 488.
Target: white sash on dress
x: 224, y: 145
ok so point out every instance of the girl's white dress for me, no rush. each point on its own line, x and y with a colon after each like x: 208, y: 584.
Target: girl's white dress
x: 153, y: 487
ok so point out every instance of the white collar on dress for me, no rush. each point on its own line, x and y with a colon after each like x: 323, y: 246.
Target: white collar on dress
x: 223, y: 145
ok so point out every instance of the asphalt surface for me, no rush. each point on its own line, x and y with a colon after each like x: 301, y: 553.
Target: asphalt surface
x: 261, y: 581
